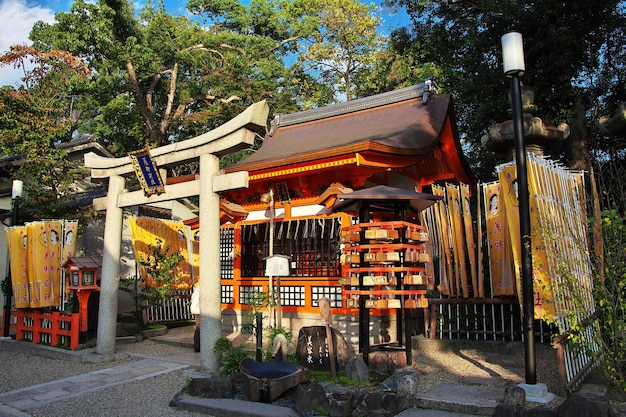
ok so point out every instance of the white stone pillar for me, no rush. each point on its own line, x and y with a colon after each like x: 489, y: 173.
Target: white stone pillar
x: 110, y: 277
x: 210, y: 274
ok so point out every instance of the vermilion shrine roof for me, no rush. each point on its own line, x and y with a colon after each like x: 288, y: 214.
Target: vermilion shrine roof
x: 411, y: 129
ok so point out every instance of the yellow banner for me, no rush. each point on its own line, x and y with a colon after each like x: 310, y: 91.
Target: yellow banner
x: 18, y: 257
x: 38, y: 273
x: 446, y: 287
x: 542, y: 182
x: 458, y: 240
x: 52, y: 286
x: 145, y: 231
x: 195, y: 256
x: 35, y: 252
x: 469, y: 239
x: 542, y: 287
x: 508, y: 181
x: 500, y: 255
x: 70, y: 233
x: 432, y: 245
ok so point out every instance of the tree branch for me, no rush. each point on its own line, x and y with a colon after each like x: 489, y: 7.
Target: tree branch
x: 144, y: 111
x: 170, y: 100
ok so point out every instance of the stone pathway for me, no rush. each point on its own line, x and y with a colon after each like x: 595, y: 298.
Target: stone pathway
x: 50, y: 392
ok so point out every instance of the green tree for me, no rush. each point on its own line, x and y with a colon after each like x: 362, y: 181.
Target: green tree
x: 160, y: 273
x: 346, y: 46
x: 38, y: 116
x: 159, y: 78
x: 567, y: 47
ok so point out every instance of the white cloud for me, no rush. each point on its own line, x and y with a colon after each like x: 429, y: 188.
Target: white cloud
x: 16, y: 21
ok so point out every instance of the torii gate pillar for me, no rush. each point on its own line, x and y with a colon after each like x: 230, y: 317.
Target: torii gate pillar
x: 210, y: 287
x: 110, y: 275
x: 236, y: 134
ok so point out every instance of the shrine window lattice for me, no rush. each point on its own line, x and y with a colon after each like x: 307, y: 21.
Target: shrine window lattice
x: 227, y: 253
x: 292, y: 296
x: 332, y: 293
x: 249, y: 293
x: 228, y: 294
x: 312, y: 246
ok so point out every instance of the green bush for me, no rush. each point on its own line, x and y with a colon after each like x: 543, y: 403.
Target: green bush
x: 611, y: 298
x: 228, y: 356
x: 161, y: 268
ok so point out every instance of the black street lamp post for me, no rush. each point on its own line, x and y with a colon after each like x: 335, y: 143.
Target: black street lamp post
x: 513, y: 59
x: 16, y: 193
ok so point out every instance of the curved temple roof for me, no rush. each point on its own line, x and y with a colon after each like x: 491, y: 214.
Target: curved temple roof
x: 412, y: 129
x: 404, y: 126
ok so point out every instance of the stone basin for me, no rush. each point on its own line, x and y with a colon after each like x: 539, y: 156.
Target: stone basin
x: 267, y: 381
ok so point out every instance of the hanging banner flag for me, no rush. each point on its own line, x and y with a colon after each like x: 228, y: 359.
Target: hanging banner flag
x: 52, y: 286
x: 458, y: 240
x: 469, y: 238
x: 195, y: 254
x: 446, y: 287
x: 544, y: 299
x: 70, y: 233
x: 433, y: 245
x: 18, y: 258
x: 508, y: 180
x: 35, y: 252
x: 500, y: 255
x: 173, y: 237
x: 542, y: 287
x: 39, y: 265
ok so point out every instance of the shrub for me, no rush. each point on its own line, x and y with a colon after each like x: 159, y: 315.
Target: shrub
x: 155, y: 285
x: 611, y: 298
x: 228, y: 356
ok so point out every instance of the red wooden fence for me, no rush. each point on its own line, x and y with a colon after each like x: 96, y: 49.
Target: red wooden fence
x: 52, y: 328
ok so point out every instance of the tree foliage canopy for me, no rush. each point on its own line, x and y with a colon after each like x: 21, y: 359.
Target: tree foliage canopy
x: 160, y: 78
x: 37, y: 116
x: 153, y: 78
x: 573, y: 52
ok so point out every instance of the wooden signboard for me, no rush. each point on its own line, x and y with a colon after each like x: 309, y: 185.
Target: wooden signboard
x: 147, y: 172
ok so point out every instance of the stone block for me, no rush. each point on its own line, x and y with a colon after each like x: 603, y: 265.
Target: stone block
x: 407, y: 385
x: 215, y: 387
x: 514, y: 396
x: 312, y: 349
x: 310, y: 397
x: 357, y: 370
x: 581, y: 405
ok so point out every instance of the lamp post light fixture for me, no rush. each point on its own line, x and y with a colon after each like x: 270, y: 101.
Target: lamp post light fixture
x: 513, y: 59
x: 16, y: 192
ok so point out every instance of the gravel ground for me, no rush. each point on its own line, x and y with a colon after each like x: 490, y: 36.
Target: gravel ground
x: 148, y: 397
x: 19, y: 370
x: 151, y: 397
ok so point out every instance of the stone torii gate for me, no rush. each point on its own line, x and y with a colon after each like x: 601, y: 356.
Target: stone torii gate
x: 236, y: 134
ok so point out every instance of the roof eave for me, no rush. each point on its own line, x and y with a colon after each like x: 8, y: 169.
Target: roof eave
x: 365, y: 146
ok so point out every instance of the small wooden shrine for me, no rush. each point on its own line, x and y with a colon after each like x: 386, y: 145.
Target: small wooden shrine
x: 405, y: 139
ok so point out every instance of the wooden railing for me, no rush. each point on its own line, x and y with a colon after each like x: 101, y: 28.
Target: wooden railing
x: 51, y: 328
x: 175, y: 308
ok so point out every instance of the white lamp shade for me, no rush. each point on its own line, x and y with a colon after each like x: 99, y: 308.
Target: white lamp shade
x: 513, y: 53
x: 17, y: 189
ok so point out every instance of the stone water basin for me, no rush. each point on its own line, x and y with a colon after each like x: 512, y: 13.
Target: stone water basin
x: 267, y: 381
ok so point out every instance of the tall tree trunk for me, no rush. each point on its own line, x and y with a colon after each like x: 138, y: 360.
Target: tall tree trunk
x: 577, y: 145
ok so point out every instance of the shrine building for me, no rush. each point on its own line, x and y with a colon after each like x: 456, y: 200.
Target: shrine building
x: 405, y: 138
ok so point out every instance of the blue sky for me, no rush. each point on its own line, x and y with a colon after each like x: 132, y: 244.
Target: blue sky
x: 18, y: 16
